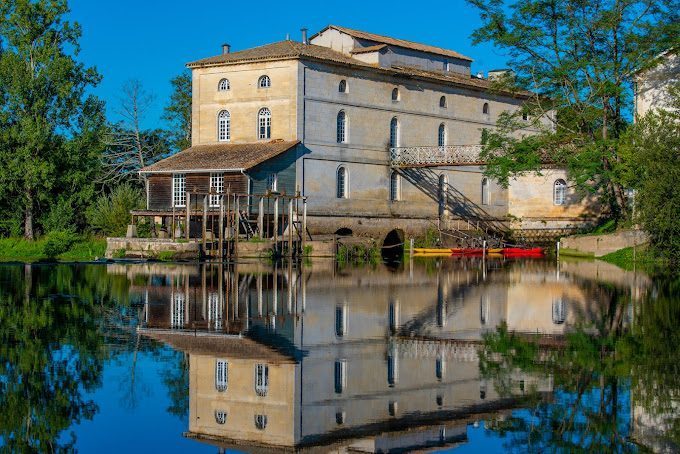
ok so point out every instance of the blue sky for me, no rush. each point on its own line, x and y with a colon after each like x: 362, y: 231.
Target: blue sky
x: 151, y: 40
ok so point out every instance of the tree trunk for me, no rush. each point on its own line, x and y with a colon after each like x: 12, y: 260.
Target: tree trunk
x: 29, y: 233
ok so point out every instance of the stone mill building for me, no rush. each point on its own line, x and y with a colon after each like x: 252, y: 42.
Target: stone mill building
x: 378, y: 134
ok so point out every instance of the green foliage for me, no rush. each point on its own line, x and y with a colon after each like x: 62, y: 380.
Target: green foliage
x: 58, y: 243
x: 119, y: 253
x: 166, y: 256
x: 110, y: 214
x: 635, y: 258
x: 652, y: 166
x: 178, y: 111
x: 583, y: 86
x: 50, y: 130
x: 429, y: 239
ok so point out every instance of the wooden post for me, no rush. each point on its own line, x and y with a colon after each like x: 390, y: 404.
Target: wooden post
x: 260, y: 218
x: 220, y: 225
x: 276, y: 221
x: 228, y: 226
x: 237, y: 223
x: 304, y: 224
x: 188, y: 222
x: 172, y: 234
x: 290, y: 227
x: 204, y: 228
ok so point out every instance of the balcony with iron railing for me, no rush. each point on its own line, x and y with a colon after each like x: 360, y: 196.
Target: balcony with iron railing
x: 430, y: 156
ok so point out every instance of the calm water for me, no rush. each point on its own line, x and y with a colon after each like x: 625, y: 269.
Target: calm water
x: 443, y: 354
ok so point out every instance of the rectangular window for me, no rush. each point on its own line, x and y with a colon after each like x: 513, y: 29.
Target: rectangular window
x: 221, y: 375
x: 261, y: 379
x: 216, y: 187
x: 273, y: 182
x: 177, y: 310
x: 340, y: 320
x: 340, y: 375
x: 214, y: 310
x: 179, y: 194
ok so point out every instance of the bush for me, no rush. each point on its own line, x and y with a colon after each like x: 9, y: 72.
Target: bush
x: 58, y: 242
x: 60, y: 218
x: 110, y: 214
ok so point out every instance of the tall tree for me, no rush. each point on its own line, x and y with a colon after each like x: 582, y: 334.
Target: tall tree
x: 578, y: 57
x: 178, y: 111
x: 42, y: 99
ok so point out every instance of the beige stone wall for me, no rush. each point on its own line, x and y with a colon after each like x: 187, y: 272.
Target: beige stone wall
x: 653, y: 84
x: 531, y: 203
x: 241, y: 402
x: 244, y: 99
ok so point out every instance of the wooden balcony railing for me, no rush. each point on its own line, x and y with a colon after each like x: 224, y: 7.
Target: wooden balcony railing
x: 435, y: 156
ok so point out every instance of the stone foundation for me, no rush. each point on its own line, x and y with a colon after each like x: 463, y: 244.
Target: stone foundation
x: 151, y: 248
x: 599, y: 245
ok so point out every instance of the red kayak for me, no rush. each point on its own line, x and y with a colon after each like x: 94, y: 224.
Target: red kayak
x: 523, y: 252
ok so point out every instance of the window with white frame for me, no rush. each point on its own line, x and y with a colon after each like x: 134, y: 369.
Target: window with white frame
x: 559, y: 311
x: 177, y: 311
x: 342, y: 86
x: 340, y: 375
x: 395, y: 94
x: 441, y: 135
x: 179, y: 194
x: 216, y: 188
x: 273, y: 182
x: 214, y: 310
x: 224, y: 126
x: 264, y: 82
x: 223, y: 85
x: 261, y: 379
x: 220, y: 417
x: 260, y: 422
x: 485, y: 108
x: 341, y: 183
x: 485, y: 191
x: 221, y: 375
x: 340, y: 320
x: 442, y: 102
x: 560, y: 192
x: 439, y: 368
x: 394, y: 132
x: 264, y: 124
x: 392, y: 369
x: 395, y: 186
x: 342, y: 127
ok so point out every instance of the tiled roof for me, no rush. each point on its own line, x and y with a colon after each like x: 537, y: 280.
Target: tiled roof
x: 397, y: 42
x: 277, y: 51
x: 221, y: 156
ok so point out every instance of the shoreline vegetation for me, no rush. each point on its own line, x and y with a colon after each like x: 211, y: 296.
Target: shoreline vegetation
x: 76, y: 248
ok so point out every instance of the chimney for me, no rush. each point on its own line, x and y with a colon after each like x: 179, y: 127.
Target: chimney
x: 304, y: 35
x: 480, y: 75
x: 226, y: 48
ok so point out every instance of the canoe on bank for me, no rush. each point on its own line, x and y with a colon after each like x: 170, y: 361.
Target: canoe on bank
x: 507, y: 252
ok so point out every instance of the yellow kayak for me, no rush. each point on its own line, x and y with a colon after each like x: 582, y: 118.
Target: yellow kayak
x: 422, y: 250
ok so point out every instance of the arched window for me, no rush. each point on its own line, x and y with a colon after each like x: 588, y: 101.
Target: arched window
x: 260, y: 422
x: 560, y: 192
x: 439, y: 368
x: 264, y: 124
x: 340, y: 320
x: 442, y: 102
x: 342, y: 127
x: 224, y: 126
x: 220, y: 416
x: 485, y: 108
x: 395, y: 94
x: 340, y: 417
x: 261, y: 379
x: 221, y: 375
x: 341, y: 183
x: 485, y: 191
x: 340, y: 375
x: 223, y: 85
x: 484, y: 309
x: 342, y: 86
x: 264, y: 82
x: 559, y: 311
x: 394, y: 186
x: 394, y: 133
x: 441, y: 135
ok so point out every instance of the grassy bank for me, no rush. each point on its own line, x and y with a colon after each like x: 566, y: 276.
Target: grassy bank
x: 77, y: 249
x: 641, y: 258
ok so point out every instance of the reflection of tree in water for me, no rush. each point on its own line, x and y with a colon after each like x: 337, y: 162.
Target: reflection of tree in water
x: 52, y: 350
x: 599, y: 372
x: 176, y: 379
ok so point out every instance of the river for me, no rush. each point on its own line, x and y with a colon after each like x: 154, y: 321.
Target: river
x: 444, y: 354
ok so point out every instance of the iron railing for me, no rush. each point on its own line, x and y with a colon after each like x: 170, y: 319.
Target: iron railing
x: 435, y: 156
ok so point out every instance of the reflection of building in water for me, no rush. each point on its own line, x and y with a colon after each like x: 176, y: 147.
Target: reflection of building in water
x: 333, y: 356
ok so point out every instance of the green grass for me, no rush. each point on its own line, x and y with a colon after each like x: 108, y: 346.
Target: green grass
x: 20, y: 250
x: 628, y: 259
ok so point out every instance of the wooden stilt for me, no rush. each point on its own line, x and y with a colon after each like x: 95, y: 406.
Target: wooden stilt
x: 188, y: 218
